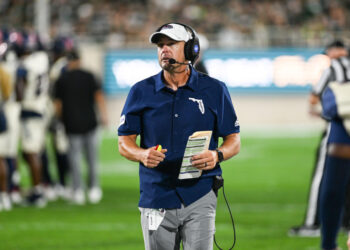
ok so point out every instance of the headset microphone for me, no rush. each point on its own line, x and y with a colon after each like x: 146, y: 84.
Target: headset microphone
x: 173, y: 61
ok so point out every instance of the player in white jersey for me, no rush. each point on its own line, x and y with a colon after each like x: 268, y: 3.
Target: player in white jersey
x: 5, y: 91
x: 12, y: 112
x: 32, y: 90
x: 60, y: 47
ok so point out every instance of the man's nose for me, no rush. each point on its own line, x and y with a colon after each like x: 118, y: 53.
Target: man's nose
x: 165, y: 47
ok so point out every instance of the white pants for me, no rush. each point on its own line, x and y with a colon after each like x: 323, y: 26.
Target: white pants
x: 10, y: 138
x: 33, y: 134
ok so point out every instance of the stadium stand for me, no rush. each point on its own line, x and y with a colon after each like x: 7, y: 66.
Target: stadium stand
x: 228, y: 24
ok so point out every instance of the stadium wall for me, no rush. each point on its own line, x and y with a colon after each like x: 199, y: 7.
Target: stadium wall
x: 269, y: 88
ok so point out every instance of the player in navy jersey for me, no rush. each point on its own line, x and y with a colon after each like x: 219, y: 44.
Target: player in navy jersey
x: 166, y: 109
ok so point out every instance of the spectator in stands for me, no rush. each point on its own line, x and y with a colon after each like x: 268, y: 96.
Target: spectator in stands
x: 131, y: 21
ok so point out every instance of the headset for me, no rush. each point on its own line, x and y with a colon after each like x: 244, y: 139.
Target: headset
x: 192, y: 47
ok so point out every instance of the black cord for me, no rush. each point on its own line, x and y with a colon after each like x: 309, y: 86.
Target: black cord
x: 232, y: 221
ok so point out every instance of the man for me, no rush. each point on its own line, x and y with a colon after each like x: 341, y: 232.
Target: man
x: 32, y: 85
x: 55, y: 128
x: 5, y: 92
x: 12, y: 113
x: 166, y: 109
x: 60, y: 47
x: 337, y: 52
x: 336, y: 109
x: 77, y: 94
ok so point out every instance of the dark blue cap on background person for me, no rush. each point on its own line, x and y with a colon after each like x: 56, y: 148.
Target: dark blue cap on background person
x: 62, y: 45
x: 73, y: 55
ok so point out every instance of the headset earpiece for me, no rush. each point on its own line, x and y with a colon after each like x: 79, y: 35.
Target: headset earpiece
x: 192, y: 47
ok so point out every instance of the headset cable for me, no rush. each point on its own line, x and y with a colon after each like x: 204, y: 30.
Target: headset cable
x: 232, y: 221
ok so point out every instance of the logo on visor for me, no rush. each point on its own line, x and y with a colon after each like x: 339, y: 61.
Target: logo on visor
x: 122, y: 120
x: 168, y: 26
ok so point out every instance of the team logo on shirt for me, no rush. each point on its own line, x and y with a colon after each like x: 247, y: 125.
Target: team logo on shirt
x: 200, y: 104
x: 122, y: 120
x: 236, y: 123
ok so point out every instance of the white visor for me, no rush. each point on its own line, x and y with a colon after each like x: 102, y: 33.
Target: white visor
x: 174, y: 31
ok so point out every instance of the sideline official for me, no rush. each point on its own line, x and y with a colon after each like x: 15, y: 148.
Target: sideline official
x: 335, y: 109
x: 337, y: 52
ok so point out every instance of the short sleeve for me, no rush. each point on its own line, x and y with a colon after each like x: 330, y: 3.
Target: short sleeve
x: 329, y: 105
x: 322, y: 83
x: 227, y: 121
x: 57, y: 93
x: 130, y: 119
x: 96, y: 84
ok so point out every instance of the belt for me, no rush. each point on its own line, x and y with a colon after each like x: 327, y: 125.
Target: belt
x: 339, y: 150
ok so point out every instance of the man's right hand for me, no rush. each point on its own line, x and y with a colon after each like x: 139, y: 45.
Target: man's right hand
x: 315, y: 110
x: 151, y: 157
x: 314, y: 105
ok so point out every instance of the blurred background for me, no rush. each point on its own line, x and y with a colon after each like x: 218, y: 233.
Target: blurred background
x: 255, y: 47
x: 227, y: 24
x: 268, y: 52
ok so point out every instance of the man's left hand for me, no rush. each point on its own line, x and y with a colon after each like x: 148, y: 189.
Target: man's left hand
x: 206, y: 160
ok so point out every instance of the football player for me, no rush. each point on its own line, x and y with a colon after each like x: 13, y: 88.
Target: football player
x: 60, y: 47
x: 12, y: 112
x: 5, y: 92
x: 32, y: 86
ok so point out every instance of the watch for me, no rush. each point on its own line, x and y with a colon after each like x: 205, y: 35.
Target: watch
x: 220, y: 155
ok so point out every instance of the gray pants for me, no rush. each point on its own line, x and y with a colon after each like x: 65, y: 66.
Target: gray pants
x: 194, y: 225
x: 87, y: 144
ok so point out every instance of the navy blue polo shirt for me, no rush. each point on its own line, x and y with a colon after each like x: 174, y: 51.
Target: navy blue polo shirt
x: 166, y: 117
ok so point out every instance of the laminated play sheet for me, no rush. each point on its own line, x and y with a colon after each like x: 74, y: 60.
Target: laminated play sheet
x: 196, y: 144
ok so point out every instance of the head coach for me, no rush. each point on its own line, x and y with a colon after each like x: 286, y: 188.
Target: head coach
x: 165, y: 109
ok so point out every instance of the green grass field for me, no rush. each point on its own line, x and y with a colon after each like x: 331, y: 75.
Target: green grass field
x: 266, y: 185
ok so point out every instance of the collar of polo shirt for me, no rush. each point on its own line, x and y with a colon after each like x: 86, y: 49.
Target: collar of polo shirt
x: 192, y: 81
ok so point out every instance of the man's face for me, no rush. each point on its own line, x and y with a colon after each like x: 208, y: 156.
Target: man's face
x: 169, y: 48
x: 336, y: 52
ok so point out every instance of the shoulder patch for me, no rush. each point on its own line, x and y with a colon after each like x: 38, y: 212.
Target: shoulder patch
x: 122, y: 120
